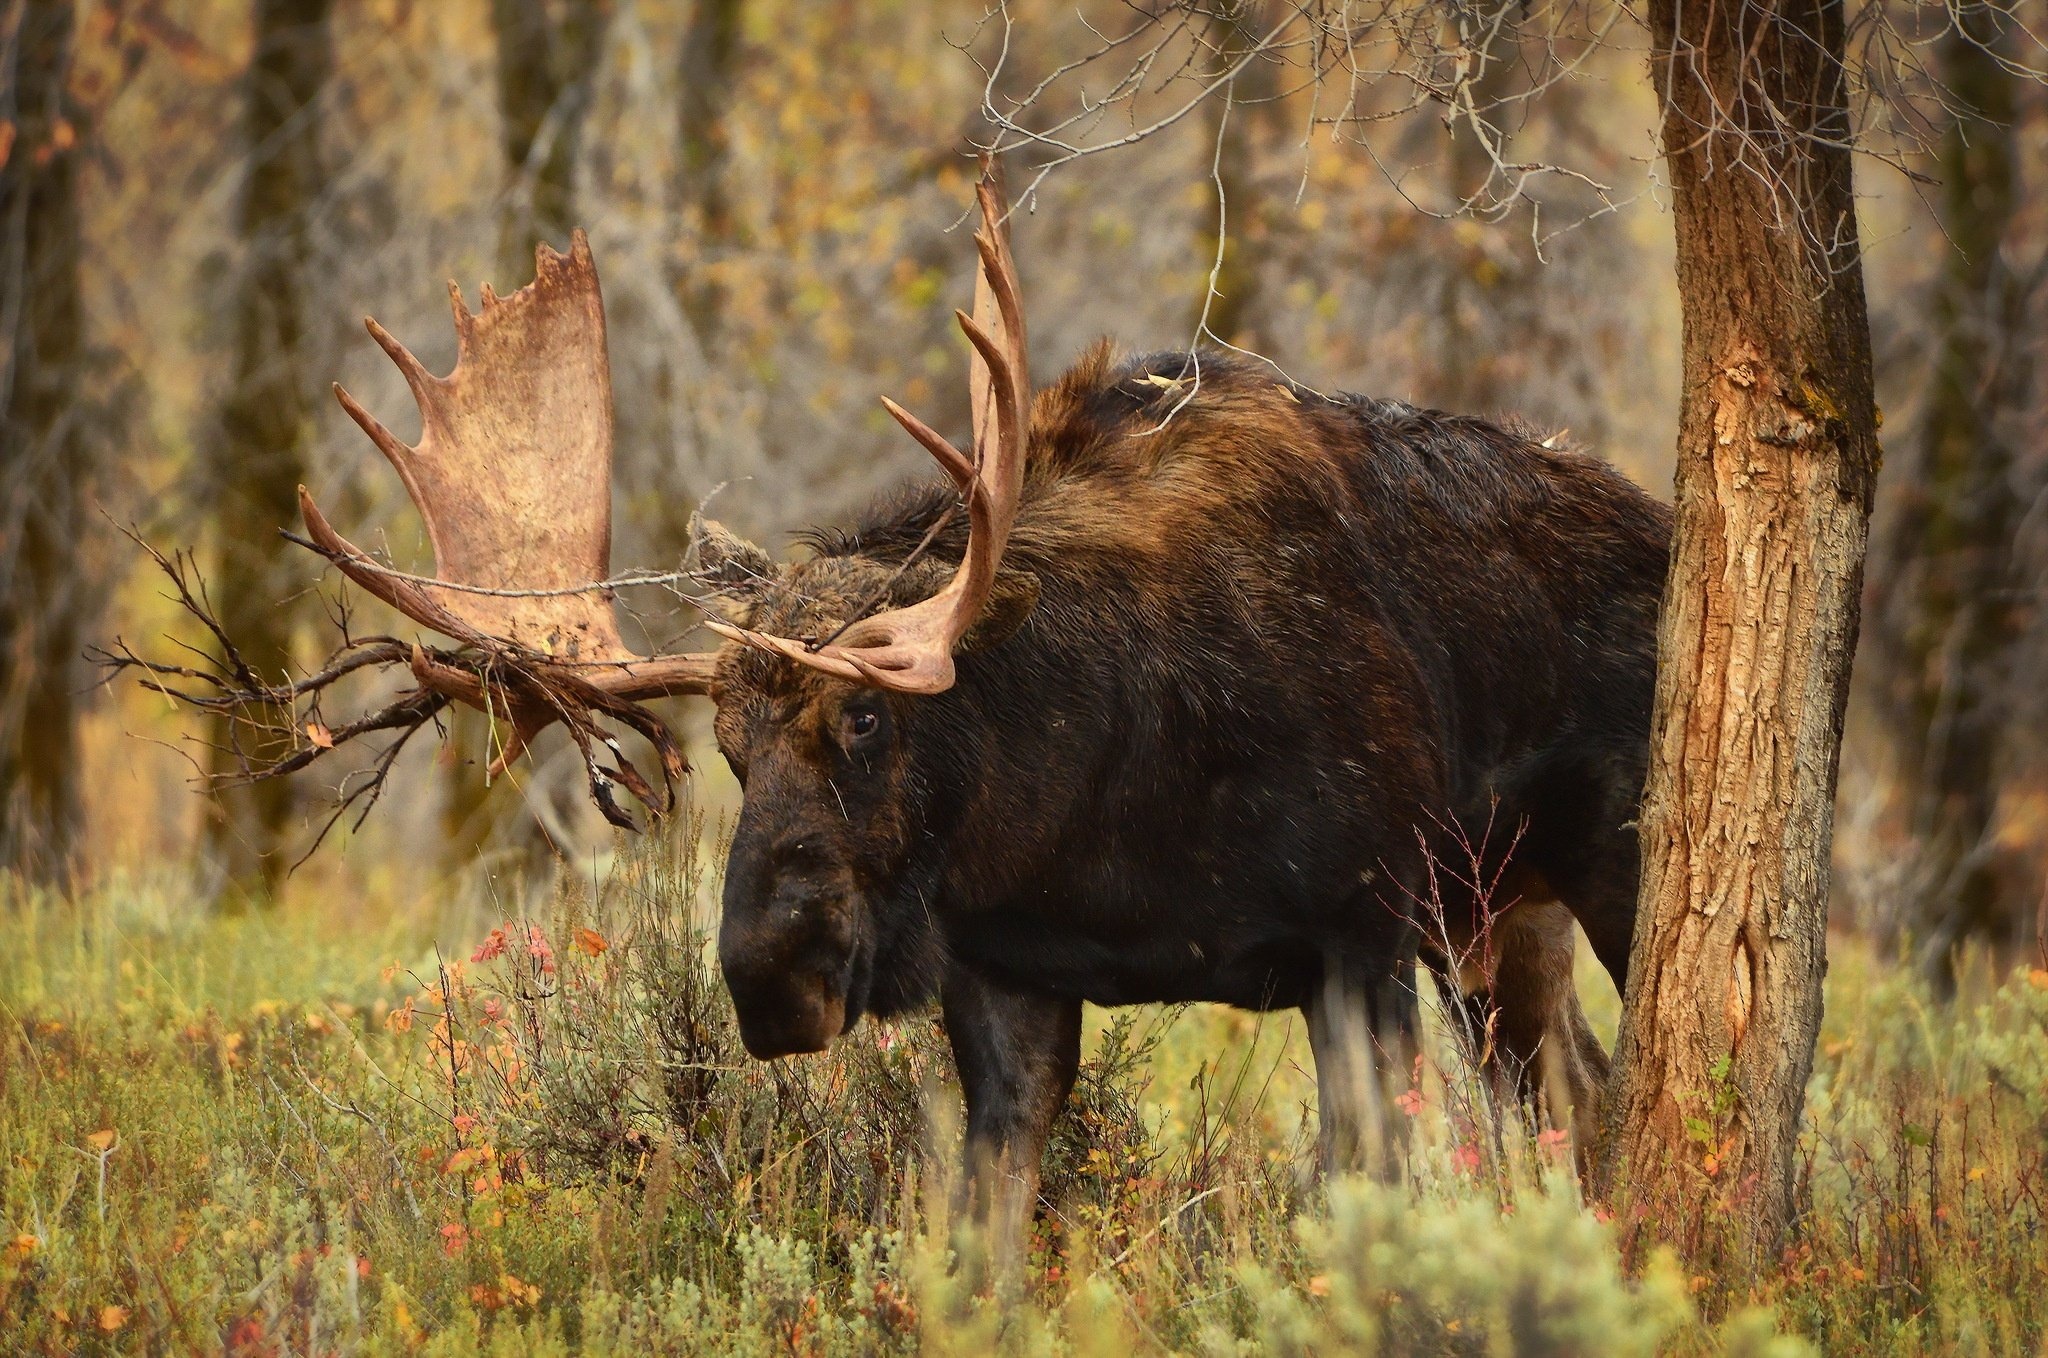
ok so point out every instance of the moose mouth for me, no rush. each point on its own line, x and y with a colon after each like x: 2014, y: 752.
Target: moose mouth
x: 802, y: 1014
x: 822, y: 1018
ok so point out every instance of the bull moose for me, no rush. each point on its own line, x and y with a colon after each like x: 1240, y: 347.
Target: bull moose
x: 1171, y: 691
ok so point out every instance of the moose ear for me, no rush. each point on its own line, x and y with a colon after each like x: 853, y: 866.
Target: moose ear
x: 1010, y: 601
x: 726, y: 561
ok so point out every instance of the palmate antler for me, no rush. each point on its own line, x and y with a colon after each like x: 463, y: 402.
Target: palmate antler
x: 910, y: 650
x: 512, y: 475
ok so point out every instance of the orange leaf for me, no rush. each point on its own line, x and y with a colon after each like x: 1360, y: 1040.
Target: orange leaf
x: 101, y: 1140
x: 591, y: 941
x: 113, y: 1318
x: 319, y: 735
x: 462, y: 1160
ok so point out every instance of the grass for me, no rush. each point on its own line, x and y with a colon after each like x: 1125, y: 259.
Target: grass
x: 352, y: 1127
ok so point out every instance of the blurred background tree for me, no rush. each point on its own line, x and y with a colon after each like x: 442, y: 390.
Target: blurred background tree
x: 44, y: 595
x: 548, y: 61
x: 1955, y: 600
x: 705, y: 82
x: 254, y: 468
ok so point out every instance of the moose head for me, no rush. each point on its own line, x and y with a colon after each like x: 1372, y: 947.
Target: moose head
x: 825, y: 661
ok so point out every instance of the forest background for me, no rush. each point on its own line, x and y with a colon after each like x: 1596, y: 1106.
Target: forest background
x: 200, y: 201
x: 773, y: 216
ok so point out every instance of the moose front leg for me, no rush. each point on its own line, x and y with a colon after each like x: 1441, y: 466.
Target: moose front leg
x: 1361, y: 1032
x: 1018, y: 1052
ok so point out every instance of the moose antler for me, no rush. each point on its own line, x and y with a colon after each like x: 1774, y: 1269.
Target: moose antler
x: 512, y: 475
x: 910, y: 650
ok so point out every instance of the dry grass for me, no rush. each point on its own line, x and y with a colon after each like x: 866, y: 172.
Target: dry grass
x: 319, y: 1131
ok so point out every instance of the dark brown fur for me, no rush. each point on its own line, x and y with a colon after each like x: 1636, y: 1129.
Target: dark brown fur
x: 1282, y: 648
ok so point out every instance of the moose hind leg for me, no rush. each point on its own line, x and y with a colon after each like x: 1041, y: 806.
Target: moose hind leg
x: 1541, y: 1036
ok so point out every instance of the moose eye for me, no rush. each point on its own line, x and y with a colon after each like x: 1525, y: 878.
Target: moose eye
x: 860, y: 724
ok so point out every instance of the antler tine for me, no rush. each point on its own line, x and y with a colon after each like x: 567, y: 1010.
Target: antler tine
x: 957, y: 465
x: 416, y: 375
x: 997, y: 303
x: 910, y: 650
x: 1003, y: 386
x: 394, y: 449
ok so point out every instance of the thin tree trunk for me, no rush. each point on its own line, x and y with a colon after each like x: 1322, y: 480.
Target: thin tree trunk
x: 42, y: 456
x: 1465, y: 373
x: 1234, y: 311
x: 546, y: 80
x: 697, y: 406
x: 1777, y: 457
x: 1950, y: 619
x: 267, y: 418
x: 706, y: 74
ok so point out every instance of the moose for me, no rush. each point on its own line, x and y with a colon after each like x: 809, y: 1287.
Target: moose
x: 1180, y: 686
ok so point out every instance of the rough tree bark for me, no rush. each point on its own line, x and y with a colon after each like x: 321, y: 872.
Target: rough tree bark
x: 42, y: 456
x: 1777, y: 456
x: 267, y: 416
x: 1948, y: 616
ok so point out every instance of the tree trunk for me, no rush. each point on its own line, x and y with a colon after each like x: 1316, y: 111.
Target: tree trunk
x: 1948, y: 617
x: 706, y: 74
x: 1234, y: 312
x: 1777, y: 456
x: 1479, y: 266
x: 267, y: 418
x: 42, y: 456
x: 546, y: 78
